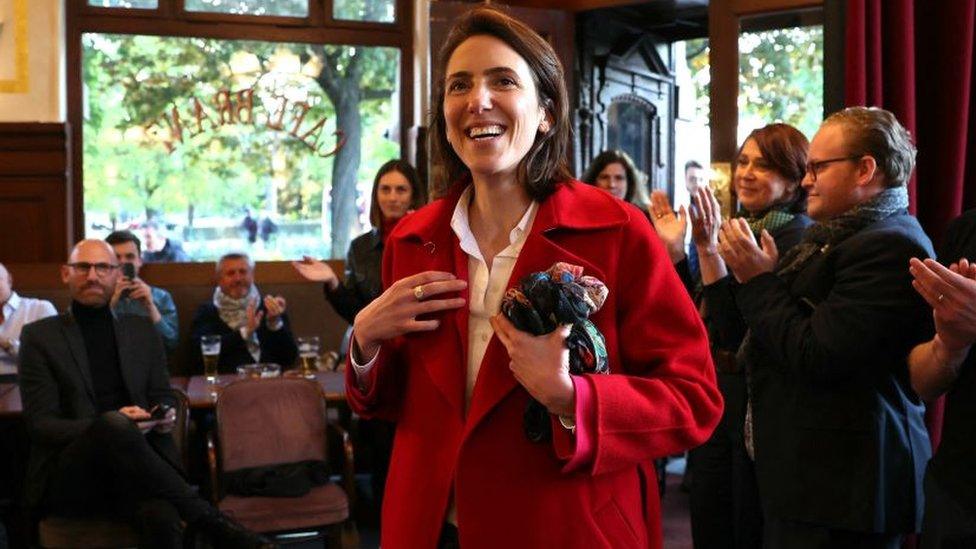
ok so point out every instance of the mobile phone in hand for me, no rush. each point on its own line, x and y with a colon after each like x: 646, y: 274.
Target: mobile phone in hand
x: 129, y: 272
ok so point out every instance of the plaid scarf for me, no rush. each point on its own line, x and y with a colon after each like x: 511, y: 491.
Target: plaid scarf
x: 772, y: 220
x: 234, y: 311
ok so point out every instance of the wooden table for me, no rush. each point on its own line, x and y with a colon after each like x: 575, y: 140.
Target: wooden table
x: 202, y: 395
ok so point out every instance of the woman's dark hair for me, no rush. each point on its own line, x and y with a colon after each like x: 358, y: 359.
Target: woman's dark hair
x: 785, y: 149
x: 545, y: 163
x: 636, y: 193
x: 417, y: 195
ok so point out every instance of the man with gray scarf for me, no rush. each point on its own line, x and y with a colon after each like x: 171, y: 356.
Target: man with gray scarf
x: 251, y: 328
x: 836, y: 431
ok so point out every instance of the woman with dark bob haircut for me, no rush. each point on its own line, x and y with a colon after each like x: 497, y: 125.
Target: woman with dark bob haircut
x: 614, y: 171
x: 769, y: 167
x: 434, y: 354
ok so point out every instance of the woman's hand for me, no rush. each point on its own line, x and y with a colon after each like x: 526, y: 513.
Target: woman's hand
x: 395, y: 311
x: 670, y: 227
x: 316, y: 271
x: 742, y: 254
x: 706, y: 220
x: 540, y: 364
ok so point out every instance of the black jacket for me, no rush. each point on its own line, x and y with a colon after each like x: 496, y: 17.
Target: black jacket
x: 953, y: 464
x: 725, y: 324
x: 839, y: 435
x: 57, y: 392
x: 277, y: 346
x: 362, y: 283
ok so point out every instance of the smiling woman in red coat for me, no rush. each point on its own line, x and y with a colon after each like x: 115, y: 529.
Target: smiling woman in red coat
x: 433, y: 354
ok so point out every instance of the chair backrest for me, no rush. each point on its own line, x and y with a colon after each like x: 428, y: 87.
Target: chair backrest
x: 270, y: 421
x: 182, y: 426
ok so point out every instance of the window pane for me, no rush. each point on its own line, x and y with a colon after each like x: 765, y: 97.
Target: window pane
x: 380, y: 11
x: 781, y: 78
x: 231, y: 144
x: 138, y: 4
x: 287, y: 8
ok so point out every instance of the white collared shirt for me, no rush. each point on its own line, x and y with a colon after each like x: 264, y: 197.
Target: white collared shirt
x: 17, y: 312
x: 486, y: 287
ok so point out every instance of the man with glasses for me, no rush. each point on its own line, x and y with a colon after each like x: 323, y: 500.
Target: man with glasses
x: 836, y: 431
x: 88, y: 381
x: 133, y: 296
x: 15, y: 312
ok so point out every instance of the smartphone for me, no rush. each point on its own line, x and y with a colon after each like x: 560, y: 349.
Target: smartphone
x: 129, y: 272
x: 159, y: 411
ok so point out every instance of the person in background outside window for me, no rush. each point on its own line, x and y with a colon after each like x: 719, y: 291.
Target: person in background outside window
x: 614, y: 171
x: 135, y: 297
x: 15, y: 312
x: 396, y: 192
x: 947, y: 365
x: 160, y: 248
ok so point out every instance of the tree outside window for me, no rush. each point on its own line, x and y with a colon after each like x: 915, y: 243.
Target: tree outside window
x: 209, y: 136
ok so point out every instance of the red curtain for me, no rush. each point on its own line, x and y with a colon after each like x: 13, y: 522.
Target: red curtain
x: 915, y: 58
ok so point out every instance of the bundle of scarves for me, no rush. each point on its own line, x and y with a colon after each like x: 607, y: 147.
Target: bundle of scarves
x: 542, y: 302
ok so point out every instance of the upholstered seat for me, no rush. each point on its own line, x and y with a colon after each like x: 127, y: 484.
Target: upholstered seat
x: 262, y: 422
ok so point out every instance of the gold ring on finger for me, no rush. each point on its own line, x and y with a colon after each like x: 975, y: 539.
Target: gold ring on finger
x: 418, y: 292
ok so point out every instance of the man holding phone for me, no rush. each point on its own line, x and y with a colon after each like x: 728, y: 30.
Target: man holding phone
x: 134, y: 297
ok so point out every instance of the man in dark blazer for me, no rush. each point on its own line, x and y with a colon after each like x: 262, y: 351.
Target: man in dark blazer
x: 251, y: 329
x: 88, y: 380
x: 837, y: 432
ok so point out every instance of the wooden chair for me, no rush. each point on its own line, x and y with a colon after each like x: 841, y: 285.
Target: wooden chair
x: 105, y: 531
x: 264, y: 422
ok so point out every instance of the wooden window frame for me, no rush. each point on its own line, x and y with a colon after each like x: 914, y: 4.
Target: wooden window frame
x: 170, y: 19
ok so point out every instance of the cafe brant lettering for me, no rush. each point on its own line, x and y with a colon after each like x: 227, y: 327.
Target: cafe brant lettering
x: 275, y: 112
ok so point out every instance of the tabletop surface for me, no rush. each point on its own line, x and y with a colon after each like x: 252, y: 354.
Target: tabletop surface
x: 201, y: 394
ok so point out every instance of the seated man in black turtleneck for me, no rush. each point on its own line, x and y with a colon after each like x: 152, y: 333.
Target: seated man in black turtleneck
x: 87, y: 379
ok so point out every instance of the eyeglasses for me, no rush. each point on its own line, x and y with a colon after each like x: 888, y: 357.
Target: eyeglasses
x: 814, y: 167
x: 101, y: 269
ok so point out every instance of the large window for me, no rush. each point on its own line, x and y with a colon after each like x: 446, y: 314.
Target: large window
x: 229, y: 144
x: 781, y: 71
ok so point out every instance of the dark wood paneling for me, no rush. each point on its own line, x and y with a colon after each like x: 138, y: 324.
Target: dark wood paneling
x: 33, y: 192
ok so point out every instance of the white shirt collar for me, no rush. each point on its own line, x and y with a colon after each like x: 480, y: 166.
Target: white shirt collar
x: 461, y: 225
x: 11, y: 305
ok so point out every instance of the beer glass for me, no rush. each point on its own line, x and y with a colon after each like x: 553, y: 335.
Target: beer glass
x: 210, y: 347
x: 308, y: 354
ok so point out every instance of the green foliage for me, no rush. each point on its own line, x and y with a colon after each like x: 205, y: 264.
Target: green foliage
x: 134, y: 83
x: 781, y: 78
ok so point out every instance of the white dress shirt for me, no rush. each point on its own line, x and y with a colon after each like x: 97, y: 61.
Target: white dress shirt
x: 17, y: 312
x: 486, y: 287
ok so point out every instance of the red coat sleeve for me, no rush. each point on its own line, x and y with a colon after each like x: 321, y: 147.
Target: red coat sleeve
x: 661, y: 397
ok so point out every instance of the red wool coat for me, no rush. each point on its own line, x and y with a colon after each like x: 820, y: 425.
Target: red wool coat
x: 659, y: 399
